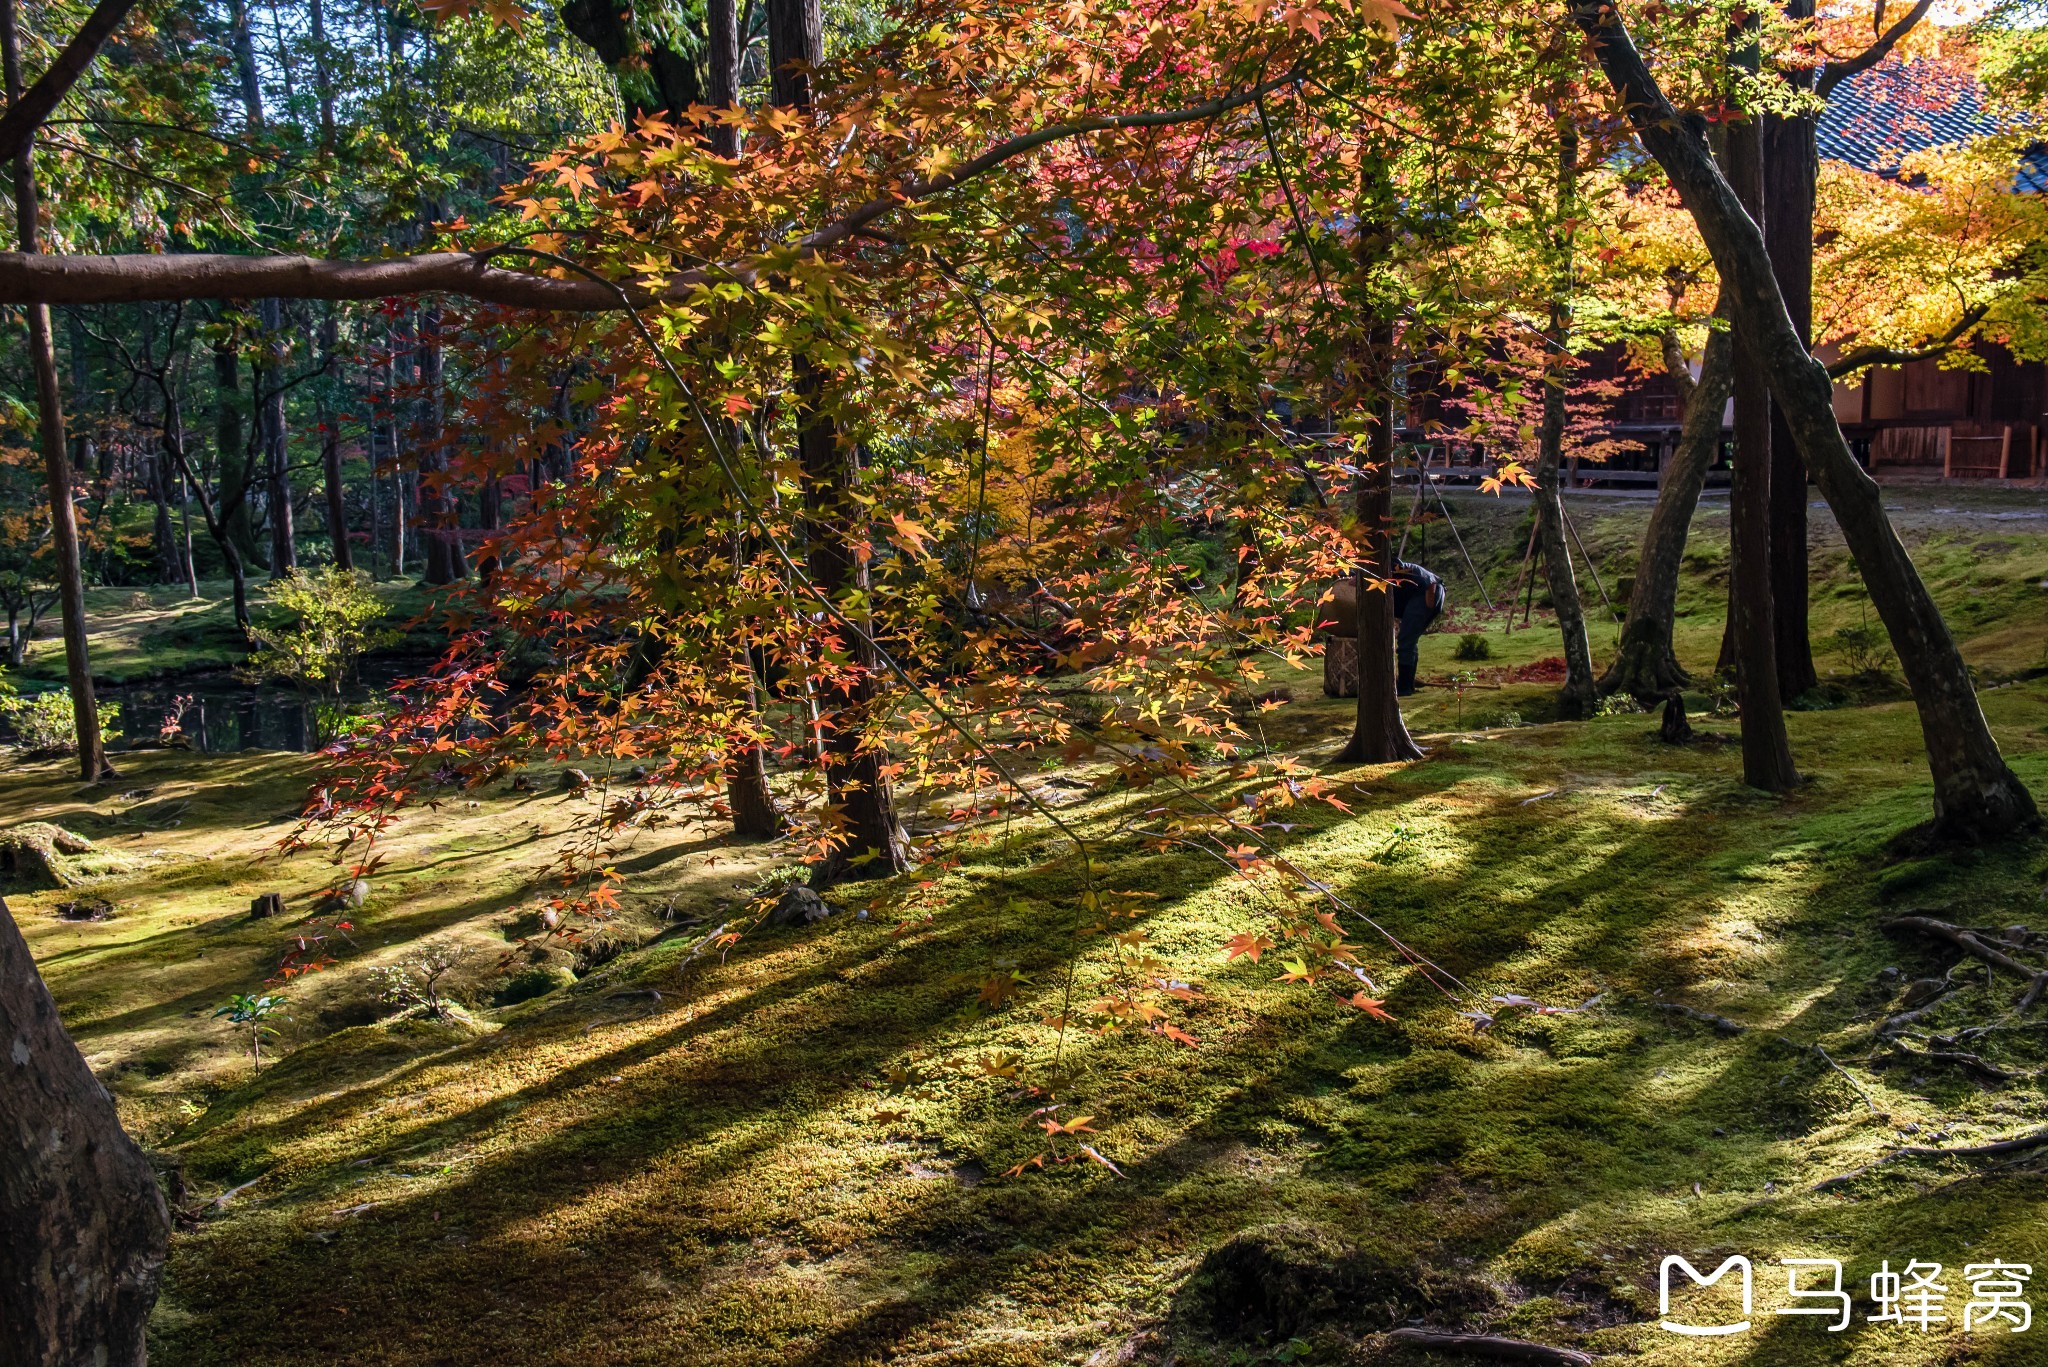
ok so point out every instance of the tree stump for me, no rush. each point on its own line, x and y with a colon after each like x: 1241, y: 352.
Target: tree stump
x: 267, y: 905
x: 31, y: 856
x: 1675, y: 730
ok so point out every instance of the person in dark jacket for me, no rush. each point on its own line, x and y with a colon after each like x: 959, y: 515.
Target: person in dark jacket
x: 1418, y: 601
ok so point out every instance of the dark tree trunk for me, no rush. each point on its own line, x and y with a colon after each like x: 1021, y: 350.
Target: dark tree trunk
x: 57, y: 474
x: 1766, y: 751
x: 330, y: 454
x: 796, y: 43
x: 1380, y: 734
x: 754, y: 812
x: 440, y: 514
x: 1791, y: 173
x: 1647, y: 667
x: 872, y: 843
x: 1580, y: 697
x: 834, y: 520
x: 168, y: 570
x: 1976, y: 796
x: 272, y: 437
x: 83, y: 1228
x: 722, y: 58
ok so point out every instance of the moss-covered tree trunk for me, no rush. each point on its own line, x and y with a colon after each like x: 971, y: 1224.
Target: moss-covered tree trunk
x: 83, y: 1228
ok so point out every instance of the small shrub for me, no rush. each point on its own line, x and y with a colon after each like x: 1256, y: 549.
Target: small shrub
x: 1619, y: 705
x: 1865, y: 648
x: 323, y: 628
x: 1472, y: 646
x: 254, y: 1012
x: 414, y: 983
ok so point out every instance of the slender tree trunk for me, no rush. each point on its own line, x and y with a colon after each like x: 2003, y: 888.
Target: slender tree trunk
x: 83, y: 1228
x: 1791, y: 171
x: 1766, y: 750
x: 273, y: 436
x: 323, y: 78
x: 440, y: 514
x: 754, y: 813
x: 1379, y: 735
x: 85, y: 714
x: 1579, y: 697
x: 330, y: 456
x: 163, y: 534
x: 1647, y: 667
x: 1976, y: 796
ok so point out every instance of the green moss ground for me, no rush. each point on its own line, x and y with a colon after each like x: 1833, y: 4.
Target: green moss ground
x: 592, y: 1177
x: 141, y: 634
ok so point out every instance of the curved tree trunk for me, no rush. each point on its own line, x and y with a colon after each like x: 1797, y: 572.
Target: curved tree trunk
x: 1766, y: 751
x: 1976, y: 796
x: 1580, y: 697
x: 1647, y: 667
x: 83, y: 1229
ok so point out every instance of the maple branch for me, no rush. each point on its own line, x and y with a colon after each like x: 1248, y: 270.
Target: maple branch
x: 1834, y: 73
x: 141, y: 277
x: 26, y: 114
x: 1940, y: 346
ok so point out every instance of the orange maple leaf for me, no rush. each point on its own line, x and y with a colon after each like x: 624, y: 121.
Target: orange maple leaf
x: 1370, y: 1005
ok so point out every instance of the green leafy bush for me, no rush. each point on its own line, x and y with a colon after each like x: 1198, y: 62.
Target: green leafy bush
x: 322, y: 626
x: 42, y: 721
x: 1472, y: 646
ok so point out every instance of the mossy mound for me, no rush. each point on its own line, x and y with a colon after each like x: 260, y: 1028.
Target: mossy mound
x: 33, y: 856
x: 1278, y: 1280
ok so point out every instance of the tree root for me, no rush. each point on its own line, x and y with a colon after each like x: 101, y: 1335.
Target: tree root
x: 1969, y: 942
x: 1961, y: 1059
x: 1995, y: 1149
x: 1489, y: 1346
x: 1734, y: 1027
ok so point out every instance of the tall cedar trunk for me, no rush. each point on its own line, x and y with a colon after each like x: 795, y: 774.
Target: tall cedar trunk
x: 1766, y: 751
x: 1791, y: 171
x: 1379, y: 734
x: 440, y: 514
x: 330, y: 454
x: 1579, y: 697
x: 722, y: 60
x: 273, y: 438
x: 871, y: 843
x: 1976, y: 796
x: 85, y: 713
x: 83, y: 1228
x: 323, y: 78
x: 1646, y: 666
x: 754, y: 811
x: 1791, y: 175
x: 833, y: 523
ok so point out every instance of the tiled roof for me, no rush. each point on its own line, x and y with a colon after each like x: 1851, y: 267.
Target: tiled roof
x: 1878, y: 117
